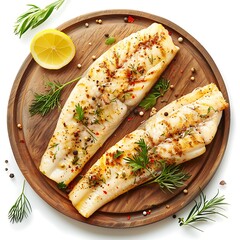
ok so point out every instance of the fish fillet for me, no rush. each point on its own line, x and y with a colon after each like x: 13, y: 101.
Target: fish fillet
x: 177, y: 133
x: 110, y: 88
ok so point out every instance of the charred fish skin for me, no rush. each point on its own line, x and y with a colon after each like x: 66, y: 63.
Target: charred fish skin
x: 178, y: 141
x: 110, y: 88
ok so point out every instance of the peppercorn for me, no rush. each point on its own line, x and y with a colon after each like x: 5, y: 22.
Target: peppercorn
x: 75, y: 152
x: 180, y: 39
x: 125, y: 19
x: 6, y: 161
x: 165, y: 114
x: 11, y: 175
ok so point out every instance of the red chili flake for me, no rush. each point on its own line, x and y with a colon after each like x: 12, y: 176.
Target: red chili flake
x: 105, y: 192
x: 130, y: 19
x: 133, y: 96
x: 181, y: 71
x: 128, y: 217
x: 129, y: 119
x: 142, y: 86
x: 170, y: 33
x: 22, y: 141
x: 97, y: 133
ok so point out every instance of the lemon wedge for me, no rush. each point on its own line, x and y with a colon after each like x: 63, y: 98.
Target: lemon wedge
x: 52, y: 49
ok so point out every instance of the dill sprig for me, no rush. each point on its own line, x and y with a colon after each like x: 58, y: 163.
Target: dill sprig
x: 171, y: 176
x: 43, y: 103
x: 160, y: 88
x: 20, y: 209
x: 34, y: 16
x: 203, y: 210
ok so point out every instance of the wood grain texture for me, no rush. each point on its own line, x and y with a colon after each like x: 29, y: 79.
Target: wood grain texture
x: 29, y: 144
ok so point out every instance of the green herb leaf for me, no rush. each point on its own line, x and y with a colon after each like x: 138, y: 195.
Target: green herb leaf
x: 20, y: 209
x: 171, y: 177
x: 43, y: 103
x: 79, y: 115
x: 117, y: 154
x: 34, y: 17
x: 139, y: 160
x: 61, y: 185
x: 203, y: 210
x: 158, y: 90
x: 110, y: 40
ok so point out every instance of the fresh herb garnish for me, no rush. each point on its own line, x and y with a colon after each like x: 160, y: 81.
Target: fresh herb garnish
x: 61, y: 185
x: 34, y: 16
x: 171, y: 176
x: 110, y: 40
x: 20, y: 209
x: 203, y: 209
x: 43, y: 103
x: 79, y: 116
x: 158, y: 91
x: 139, y: 160
x: 117, y: 154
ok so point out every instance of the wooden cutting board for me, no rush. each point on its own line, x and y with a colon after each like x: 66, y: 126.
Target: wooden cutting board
x: 29, y: 143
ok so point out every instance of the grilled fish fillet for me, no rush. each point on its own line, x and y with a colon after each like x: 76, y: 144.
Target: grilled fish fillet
x: 111, y: 87
x: 177, y: 133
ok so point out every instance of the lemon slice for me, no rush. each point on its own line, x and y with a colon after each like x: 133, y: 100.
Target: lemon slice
x: 52, y: 49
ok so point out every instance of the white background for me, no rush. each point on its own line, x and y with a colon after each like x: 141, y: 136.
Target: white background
x: 215, y: 24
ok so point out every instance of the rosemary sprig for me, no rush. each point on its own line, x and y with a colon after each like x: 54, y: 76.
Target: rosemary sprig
x: 203, y: 209
x: 160, y: 88
x: 34, y: 16
x: 171, y: 176
x: 43, y: 103
x: 20, y: 209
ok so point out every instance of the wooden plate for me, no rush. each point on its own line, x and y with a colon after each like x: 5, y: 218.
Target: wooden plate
x: 29, y: 143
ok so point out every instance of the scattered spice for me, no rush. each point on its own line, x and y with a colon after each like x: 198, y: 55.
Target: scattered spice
x: 167, y: 206
x: 11, y: 175
x: 99, y: 21
x: 193, y: 69
x: 94, y: 57
x: 128, y: 217
x: 180, y: 39
x: 6, y: 169
x: 171, y: 86
x: 79, y: 65
x: 86, y: 25
x: 222, y: 182
x: 144, y: 213
x: 174, y: 216
x: 136, y: 111
x: 192, y: 78
x: 165, y: 114
x: 90, y: 44
x: 106, y: 35
x: 19, y: 126
x: 6, y: 161
x: 153, y: 111
x: 185, y: 191
x: 130, y: 19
